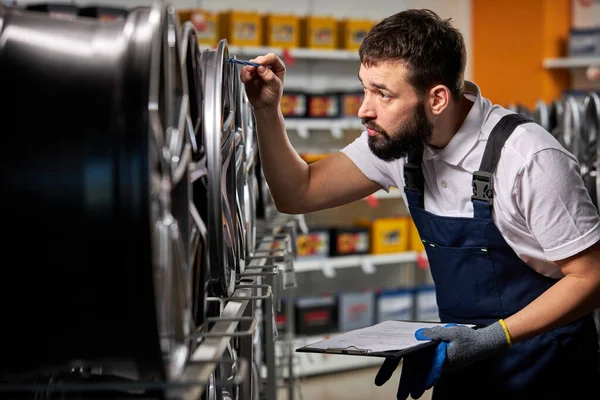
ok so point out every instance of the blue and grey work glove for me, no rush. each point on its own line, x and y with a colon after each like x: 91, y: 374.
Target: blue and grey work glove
x: 459, y: 347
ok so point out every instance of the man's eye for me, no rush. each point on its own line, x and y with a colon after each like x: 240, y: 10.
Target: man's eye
x: 384, y: 96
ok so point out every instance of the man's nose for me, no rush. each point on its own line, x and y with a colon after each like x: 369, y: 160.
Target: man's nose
x: 366, y: 110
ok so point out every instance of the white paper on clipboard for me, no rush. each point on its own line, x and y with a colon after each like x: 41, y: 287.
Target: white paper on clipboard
x: 382, y: 337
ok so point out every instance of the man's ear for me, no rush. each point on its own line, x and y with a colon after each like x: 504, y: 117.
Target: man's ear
x: 439, y: 99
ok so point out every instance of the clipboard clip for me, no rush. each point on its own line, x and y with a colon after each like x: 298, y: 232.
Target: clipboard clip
x: 350, y: 350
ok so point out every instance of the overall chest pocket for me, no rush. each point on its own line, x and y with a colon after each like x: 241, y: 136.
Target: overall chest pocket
x: 466, y: 282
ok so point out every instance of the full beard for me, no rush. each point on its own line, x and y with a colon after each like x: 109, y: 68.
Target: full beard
x: 402, y: 142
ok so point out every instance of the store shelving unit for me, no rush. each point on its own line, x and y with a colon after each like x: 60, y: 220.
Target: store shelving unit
x: 251, y: 307
x: 366, y: 262
x: 335, y: 126
x: 571, y: 62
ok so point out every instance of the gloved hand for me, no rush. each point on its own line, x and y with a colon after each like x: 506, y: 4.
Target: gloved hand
x: 460, y: 346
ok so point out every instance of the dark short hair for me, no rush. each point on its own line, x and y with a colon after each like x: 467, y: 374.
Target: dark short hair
x: 431, y: 48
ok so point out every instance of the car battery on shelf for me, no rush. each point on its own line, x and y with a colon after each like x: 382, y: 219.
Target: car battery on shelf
x: 281, y: 30
x: 351, y: 32
x: 294, y: 104
x: 394, y: 304
x: 348, y: 241
x: 388, y: 235
x: 356, y: 310
x: 314, y: 244
x: 241, y: 28
x: 427, y: 308
x: 323, y: 105
x: 316, y: 315
x: 350, y: 103
x: 319, y: 32
x: 584, y: 42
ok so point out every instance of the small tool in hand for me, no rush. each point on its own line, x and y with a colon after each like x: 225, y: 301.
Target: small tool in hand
x: 238, y: 61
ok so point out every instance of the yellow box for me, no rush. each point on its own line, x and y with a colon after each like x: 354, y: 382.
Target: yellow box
x: 206, y: 24
x: 319, y: 32
x: 241, y: 28
x: 281, y: 30
x: 388, y: 235
x: 416, y: 244
x: 351, y: 32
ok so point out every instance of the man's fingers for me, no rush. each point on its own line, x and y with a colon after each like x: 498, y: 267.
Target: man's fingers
x: 386, y: 371
x: 271, y: 61
x: 421, y: 366
x: 406, y: 378
x: 266, y: 74
x: 435, y: 333
x: 247, y: 74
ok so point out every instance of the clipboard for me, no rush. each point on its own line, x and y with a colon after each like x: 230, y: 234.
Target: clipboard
x: 383, y: 335
x: 354, y: 351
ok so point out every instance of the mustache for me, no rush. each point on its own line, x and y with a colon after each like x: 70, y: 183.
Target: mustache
x: 373, y: 126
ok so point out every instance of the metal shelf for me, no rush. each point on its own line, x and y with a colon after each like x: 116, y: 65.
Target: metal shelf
x: 367, y: 262
x: 206, y: 357
x: 335, y: 126
x: 251, y: 293
x: 571, y: 62
x: 300, y: 53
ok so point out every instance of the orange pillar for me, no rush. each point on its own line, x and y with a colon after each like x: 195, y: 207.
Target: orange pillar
x: 510, y: 40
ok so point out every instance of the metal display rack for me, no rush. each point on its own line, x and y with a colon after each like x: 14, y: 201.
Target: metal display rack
x: 190, y: 258
x: 256, y: 296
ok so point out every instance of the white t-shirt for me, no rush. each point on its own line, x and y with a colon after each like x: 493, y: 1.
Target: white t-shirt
x: 541, y: 206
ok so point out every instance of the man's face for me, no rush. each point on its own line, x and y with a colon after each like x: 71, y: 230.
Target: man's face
x: 392, y: 112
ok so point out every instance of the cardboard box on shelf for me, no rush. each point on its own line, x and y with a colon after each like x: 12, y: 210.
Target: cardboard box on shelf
x: 352, y: 32
x: 388, y: 235
x: 207, y: 26
x: 319, y: 32
x: 281, y: 30
x: 241, y: 28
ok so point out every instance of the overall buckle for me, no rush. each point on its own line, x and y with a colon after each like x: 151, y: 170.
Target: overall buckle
x: 483, y: 186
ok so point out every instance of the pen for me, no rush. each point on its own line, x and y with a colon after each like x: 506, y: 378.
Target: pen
x: 238, y: 61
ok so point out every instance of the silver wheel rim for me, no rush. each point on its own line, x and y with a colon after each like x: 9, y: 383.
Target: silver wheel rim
x: 168, y: 163
x: 541, y: 114
x: 218, y: 129
x: 199, y: 230
x: 571, y: 133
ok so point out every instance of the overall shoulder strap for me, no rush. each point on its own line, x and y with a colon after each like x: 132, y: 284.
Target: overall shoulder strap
x: 414, y: 182
x: 483, y: 183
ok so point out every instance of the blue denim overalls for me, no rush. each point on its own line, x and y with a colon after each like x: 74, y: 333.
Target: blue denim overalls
x: 479, y: 279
